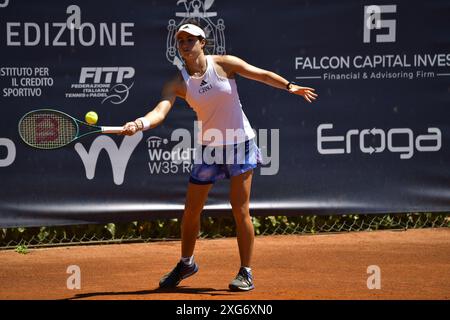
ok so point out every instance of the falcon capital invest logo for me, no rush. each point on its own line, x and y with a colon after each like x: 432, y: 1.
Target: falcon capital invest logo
x: 396, y: 65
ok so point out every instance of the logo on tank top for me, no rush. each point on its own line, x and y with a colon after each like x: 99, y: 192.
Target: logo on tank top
x: 196, y: 11
x: 205, y: 87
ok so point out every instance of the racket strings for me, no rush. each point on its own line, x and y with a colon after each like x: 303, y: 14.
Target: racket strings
x: 47, y: 130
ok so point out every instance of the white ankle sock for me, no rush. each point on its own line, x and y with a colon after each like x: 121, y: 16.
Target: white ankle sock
x: 248, y: 269
x: 188, y: 260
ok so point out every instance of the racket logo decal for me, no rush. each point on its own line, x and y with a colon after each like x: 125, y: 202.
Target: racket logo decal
x: 196, y: 10
x: 47, y: 129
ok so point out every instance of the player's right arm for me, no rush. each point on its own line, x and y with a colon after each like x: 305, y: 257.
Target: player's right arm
x: 171, y: 90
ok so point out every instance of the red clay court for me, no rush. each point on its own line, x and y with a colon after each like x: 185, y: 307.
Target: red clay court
x: 415, y: 264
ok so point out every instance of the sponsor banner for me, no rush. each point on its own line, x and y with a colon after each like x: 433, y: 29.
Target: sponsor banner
x: 103, y: 82
x: 375, y: 141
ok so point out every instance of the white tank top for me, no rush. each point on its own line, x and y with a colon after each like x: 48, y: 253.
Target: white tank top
x: 215, y: 100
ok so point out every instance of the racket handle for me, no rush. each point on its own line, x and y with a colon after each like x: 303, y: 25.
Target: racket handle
x: 112, y: 129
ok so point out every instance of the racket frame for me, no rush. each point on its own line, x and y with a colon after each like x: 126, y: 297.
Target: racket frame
x: 75, y: 121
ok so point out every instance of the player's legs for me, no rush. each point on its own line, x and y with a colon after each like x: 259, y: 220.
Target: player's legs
x: 196, y: 197
x: 190, y: 226
x: 240, y: 202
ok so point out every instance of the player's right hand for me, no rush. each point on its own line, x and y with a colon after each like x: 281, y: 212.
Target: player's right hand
x: 130, y: 128
x: 305, y: 92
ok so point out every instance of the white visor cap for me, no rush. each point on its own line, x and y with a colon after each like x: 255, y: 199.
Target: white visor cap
x: 191, y: 29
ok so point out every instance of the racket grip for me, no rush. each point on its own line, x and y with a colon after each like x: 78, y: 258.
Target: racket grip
x: 112, y: 129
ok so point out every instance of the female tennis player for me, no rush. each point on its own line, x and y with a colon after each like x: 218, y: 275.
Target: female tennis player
x: 207, y: 83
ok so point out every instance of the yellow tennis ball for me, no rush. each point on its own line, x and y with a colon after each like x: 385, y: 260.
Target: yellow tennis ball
x: 91, y: 117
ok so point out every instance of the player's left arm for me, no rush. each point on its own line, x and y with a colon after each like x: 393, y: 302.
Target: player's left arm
x: 235, y: 65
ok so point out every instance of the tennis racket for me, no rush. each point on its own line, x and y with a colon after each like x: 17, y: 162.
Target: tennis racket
x: 53, y: 129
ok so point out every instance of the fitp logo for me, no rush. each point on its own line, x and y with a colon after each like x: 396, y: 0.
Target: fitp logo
x: 373, y: 21
x: 103, y: 82
x: 4, y: 3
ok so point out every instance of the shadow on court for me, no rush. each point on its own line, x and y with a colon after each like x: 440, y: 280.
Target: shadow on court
x: 178, y: 290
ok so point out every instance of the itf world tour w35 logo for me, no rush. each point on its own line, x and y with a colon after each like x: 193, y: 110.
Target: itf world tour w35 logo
x: 196, y: 10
